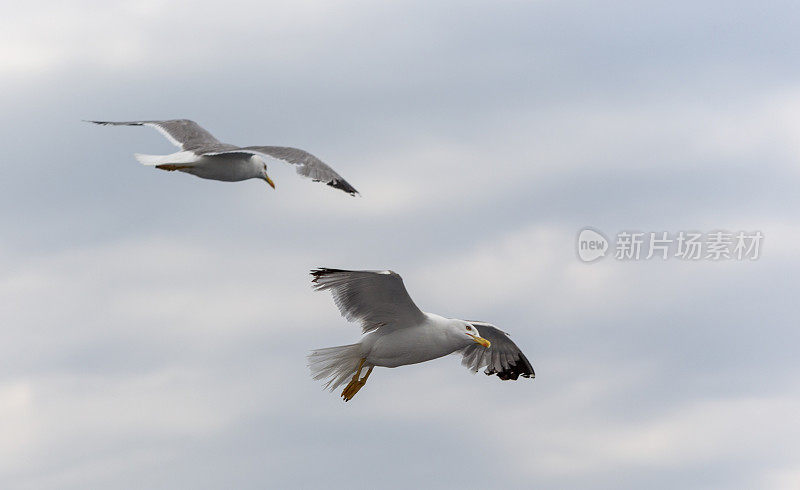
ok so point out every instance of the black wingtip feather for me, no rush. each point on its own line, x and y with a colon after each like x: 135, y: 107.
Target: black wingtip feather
x: 520, y: 367
x: 343, y: 185
x: 323, y: 271
x: 115, y: 123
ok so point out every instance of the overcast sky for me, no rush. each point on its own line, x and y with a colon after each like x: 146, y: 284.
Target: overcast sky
x: 155, y: 325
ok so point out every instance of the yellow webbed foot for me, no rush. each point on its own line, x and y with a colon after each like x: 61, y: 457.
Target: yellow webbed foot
x: 355, y: 384
x: 170, y: 167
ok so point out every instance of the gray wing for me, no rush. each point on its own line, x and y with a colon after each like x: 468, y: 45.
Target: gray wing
x: 373, y: 298
x: 307, y: 164
x: 503, y: 358
x: 183, y: 133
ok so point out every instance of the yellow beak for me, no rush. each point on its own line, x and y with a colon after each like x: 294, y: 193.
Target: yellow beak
x: 269, y: 181
x: 482, y: 341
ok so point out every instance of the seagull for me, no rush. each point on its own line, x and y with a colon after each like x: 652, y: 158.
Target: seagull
x: 206, y: 157
x: 398, y: 333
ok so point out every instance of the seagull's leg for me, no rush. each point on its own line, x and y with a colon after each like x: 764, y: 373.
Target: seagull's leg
x: 358, y: 371
x: 350, y: 390
x: 355, y: 384
x: 349, y: 387
x: 364, y: 379
x: 170, y: 167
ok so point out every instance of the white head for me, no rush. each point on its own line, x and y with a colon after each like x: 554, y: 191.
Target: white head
x: 262, y: 169
x: 467, y: 332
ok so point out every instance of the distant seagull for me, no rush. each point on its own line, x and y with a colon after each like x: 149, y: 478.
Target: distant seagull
x: 399, y: 333
x: 206, y: 157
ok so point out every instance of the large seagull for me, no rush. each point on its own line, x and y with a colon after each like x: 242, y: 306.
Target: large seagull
x: 398, y: 333
x: 206, y: 157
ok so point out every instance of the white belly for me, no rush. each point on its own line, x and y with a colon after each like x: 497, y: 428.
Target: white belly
x: 228, y: 168
x: 408, y: 346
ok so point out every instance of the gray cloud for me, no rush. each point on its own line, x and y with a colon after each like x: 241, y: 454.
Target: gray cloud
x: 155, y: 325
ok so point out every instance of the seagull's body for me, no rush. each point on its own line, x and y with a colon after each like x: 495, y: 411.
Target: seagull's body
x: 226, y: 167
x: 206, y: 157
x: 398, y: 333
x: 429, y: 339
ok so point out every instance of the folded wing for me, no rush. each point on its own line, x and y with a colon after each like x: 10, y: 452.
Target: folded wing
x: 503, y: 358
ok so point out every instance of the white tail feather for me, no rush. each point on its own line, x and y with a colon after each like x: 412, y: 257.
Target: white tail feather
x: 338, y: 364
x: 181, y: 157
x: 148, y: 159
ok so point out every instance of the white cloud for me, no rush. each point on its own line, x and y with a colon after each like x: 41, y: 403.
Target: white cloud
x: 131, y: 336
x: 39, y: 37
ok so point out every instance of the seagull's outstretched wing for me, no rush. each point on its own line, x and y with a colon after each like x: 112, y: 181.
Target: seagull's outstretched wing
x: 183, y: 133
x: 373, y: 298
x: 307, y: 164
x: 503, y: 358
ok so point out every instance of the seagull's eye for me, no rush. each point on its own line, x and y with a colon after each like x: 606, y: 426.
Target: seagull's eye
x: 469, y: 328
